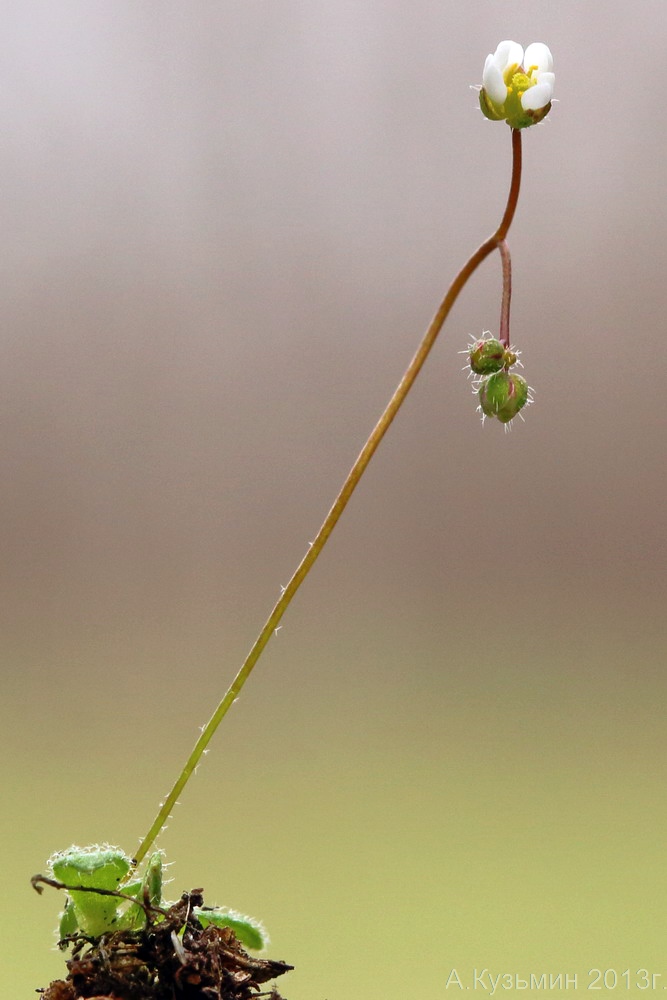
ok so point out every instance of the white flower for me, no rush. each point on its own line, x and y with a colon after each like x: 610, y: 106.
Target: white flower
x: 517, y: 86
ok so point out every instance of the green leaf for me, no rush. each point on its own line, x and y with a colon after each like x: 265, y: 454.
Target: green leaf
x: 92, y: 867
x: 68, y: 924
x: 250, y: 933
x: 149, y: 886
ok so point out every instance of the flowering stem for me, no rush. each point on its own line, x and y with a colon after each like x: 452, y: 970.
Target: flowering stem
x: 504, y: 335
x: 342, y: 499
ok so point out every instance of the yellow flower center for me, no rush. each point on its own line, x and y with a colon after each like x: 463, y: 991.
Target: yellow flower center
x: 520, y: 83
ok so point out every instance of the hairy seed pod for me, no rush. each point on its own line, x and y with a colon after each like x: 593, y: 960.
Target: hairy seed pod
x: 487, y: 356
x: 502, y: 395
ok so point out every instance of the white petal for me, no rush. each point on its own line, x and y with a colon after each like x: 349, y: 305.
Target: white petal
x: 549, y: 78
x: 493, y: 83
x: 537, y: 97
x: 507, y: 54
x: 538, y: 54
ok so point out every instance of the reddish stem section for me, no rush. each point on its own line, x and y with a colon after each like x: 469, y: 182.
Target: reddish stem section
x: 504, y: 336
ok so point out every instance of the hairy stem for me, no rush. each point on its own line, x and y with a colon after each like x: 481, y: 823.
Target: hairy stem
x: 342, y: 499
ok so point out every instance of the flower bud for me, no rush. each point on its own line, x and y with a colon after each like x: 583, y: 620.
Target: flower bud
x: 502, y: 395
x: 487, y: 356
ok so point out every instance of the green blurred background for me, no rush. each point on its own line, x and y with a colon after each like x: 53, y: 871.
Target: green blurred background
x: 225, y: 226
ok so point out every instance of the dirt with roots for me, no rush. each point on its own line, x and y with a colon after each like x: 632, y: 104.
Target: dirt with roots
x: 171, y: 958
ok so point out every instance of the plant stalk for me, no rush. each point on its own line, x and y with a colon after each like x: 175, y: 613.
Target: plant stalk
x: 342, y: 499
x: 504, y: 333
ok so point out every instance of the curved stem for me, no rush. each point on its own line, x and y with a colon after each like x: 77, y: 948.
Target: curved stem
x: 513, y: 196
x: 341, y: 500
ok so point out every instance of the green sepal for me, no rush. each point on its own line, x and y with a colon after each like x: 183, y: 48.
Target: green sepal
x: 489, y: 109
x: 250, y: 933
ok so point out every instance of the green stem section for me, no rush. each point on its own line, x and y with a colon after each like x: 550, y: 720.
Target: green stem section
x: 342, y: 499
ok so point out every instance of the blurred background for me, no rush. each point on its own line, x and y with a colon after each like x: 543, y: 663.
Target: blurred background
x: 224, y: 229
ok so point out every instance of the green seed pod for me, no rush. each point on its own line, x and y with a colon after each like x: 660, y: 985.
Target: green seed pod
x: 502, y: 395
x: 487, y: 356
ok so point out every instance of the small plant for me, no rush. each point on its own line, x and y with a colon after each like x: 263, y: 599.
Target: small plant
x: 126, y: 941
x: 93, y: 877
